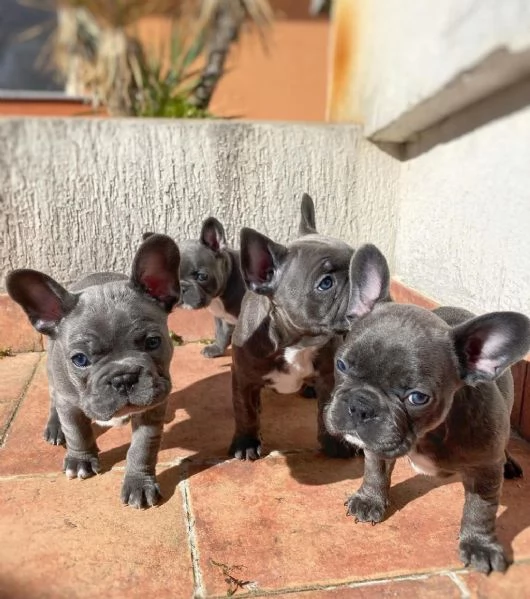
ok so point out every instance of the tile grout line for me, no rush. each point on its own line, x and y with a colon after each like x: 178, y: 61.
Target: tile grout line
x: 177, y: 462
x: 192, y: 538
x: 341, y: 585
x: 10, y: 477
x: 459, y: 582
x: 20, y: 400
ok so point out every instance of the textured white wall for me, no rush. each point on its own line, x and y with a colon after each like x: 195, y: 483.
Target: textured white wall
x: 76, y: 195
x: 401, y: 66
x: 464, y: 225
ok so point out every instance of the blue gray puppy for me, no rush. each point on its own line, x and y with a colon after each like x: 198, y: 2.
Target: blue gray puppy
x: 108, y: 359
x: 211, y: 278
x: 434, y: 386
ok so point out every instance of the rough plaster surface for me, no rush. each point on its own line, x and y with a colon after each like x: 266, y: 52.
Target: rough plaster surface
x: 464, y: 226
x: 76, y: 195
x: 451, y: 54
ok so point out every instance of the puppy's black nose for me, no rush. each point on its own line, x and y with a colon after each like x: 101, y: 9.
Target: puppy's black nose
x: 361, y: 409
x: 123, y: 383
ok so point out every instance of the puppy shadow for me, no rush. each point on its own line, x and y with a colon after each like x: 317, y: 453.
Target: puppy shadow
x: 514, y: 517
x: 314, y: 468
x: 198, y: 426
x: 412, y: 489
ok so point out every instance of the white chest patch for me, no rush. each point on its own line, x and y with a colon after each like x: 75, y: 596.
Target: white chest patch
x: 422, y: 464
x: 114, y: 422
x: 217, y: 308
x: 354, y: 440
x: 299, y: 367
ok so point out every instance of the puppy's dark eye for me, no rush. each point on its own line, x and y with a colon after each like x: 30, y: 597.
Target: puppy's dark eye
x: 416, y: 398
x: 341, y: 365
x: 326, y: 283
x: 202, y: 277
x: 152, y: 343
x: 80, y: 360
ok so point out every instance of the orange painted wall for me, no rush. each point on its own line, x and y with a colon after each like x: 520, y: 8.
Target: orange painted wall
x: 286, y: 83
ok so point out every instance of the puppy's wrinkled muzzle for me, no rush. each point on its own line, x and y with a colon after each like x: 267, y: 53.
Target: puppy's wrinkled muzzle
x: 351, y: 410
x: 365, y: 419
x: 123, y: 383
x: 124, y: 387
x: 191, y: 296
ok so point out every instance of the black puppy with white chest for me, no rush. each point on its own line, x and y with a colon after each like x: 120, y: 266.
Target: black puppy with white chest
x: 434, y: 386
x: 287, y: 332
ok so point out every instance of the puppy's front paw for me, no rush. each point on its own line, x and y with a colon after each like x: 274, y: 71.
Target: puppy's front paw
x: 81, y: 467
x: 212, y: 351
x: 245, y: 448
x: 336, y: 447
x: 483, y: 555
x: 53, y: 433
x: 140, y: 491
x: 366, y: 508
x: 512, y: 469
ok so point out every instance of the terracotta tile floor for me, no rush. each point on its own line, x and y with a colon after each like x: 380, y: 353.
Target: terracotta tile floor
x: 281, y: 519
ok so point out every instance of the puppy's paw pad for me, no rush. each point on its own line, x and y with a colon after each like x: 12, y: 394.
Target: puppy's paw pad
x: 140, y: 491
x: 53, y: 434
x: 81, y: 467
x: 335, y: 447
x: 366, y: 509
x: 484, y: 556
x: 245, y: 448
x: 212, y: 351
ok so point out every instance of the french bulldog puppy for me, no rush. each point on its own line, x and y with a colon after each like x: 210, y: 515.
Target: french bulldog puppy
x: 108, y: 359
x: 434, y: 386
x: 210, y: 278
x: 287, y: 331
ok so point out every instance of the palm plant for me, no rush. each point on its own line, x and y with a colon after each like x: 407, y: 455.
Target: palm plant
x: 99, y: 55
x: 164, y: 89
x: 222, y: 21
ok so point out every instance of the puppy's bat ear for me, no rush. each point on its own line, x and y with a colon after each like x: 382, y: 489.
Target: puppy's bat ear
x: 155, y: 270
x: 261, y: 261
x: 213, y: 234
x: 487, y: 345
x: 369, y: 280
x: 44, y: 301
x: 307, y: 216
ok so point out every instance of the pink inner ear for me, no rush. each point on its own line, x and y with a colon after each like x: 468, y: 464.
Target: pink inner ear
x: 157, y: 286
x: 473, y: 350
x: 372, y: 285
x: 264, y: 269
x: 47, y: 304
x: 212, y: 240
x: 485, y: 354
x: 260, y: 264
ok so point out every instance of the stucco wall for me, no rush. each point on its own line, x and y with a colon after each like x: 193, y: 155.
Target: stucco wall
x: 400, y: 67
x: 464, y: 226
x: 76, y: 195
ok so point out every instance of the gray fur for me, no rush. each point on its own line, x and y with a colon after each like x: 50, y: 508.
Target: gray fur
x: 110, y: 319
x: 285, y: 314
x: 461, y: 363
x: 223, y: 290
